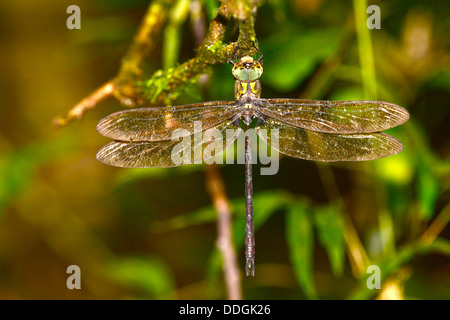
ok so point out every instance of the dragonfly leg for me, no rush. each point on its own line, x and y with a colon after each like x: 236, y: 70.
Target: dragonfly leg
x: 256, y: 45
x: 235, y: 122
x: 233, y: 54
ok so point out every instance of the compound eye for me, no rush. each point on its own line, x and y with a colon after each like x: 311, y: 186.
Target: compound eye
x: 240, y: 73
x: 255, y: 72
x: 247, y: 71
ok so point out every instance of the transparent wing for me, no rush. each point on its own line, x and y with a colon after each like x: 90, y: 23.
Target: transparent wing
x: 319, y: 146
x: 157, y: 124
x: 187, y: 150
x: 334, y: 116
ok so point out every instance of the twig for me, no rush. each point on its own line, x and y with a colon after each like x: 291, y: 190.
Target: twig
x: 355, y: 250
x: 122, y: 86
x: 162, y: 84
x: 436, y: 227
x: 224, y: 235
x: 87, y: 103
x: 197, y: 21
x: 131, y: 91
x: 128, y: 86
x: 358, y: 257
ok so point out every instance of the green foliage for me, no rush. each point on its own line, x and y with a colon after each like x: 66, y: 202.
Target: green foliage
x: 18, y: 168
x: 300, y: 238
x: 147, y: 275
x: 148, y: 227
x: 160, y: 82
x: 291, y: 55
x: 330, y: 231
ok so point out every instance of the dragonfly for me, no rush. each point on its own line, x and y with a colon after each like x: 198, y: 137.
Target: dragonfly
x: 318, y: 130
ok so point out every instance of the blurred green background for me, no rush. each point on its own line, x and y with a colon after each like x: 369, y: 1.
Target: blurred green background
x: 151, y: 233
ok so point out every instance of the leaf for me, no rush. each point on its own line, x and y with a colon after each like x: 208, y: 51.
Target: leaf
x: 196, y: 217
x: 428, y: 191
x: 291, y: 56
x: 404, y: 256
x: 441, y: 245
x: 131, y: 175
x: 347, y: 93
x: 173, y: 33
x: 329, y: 224
x: 264, y: 205
x: 398, y: 170
x: 300, y: 239
x: 17, y: 168
x: 149, y: 275
x: 211, y: 8
x: 427, y: 165
x: 441, y: 80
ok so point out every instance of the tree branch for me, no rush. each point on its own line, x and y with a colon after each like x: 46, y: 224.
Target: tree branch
x: 122, y: 86
x: 128, y: 86
x: 224, y: 235
x: 130, y: 89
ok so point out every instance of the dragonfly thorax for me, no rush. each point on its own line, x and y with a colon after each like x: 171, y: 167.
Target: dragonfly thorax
x: 247, y: 72
x: 247, y: 69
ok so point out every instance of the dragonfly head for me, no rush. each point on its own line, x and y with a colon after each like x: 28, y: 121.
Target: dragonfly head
x: 247, y: 69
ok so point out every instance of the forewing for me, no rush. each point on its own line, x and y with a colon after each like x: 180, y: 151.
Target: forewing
x: 187, y: 150
x: 312, y: 145
x: 334, y: 116
x: 158, y: 124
